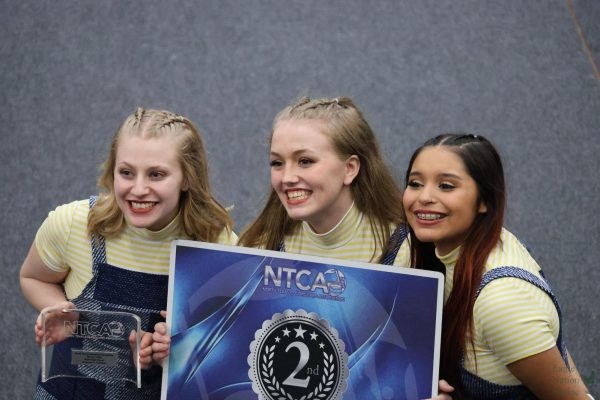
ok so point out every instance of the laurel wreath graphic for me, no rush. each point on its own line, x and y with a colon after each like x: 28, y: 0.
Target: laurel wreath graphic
x: 278, y: 392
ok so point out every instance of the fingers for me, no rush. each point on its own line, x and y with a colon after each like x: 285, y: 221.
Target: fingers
x: 158, y: 347
x: 160, y: 356
x: 444, y: 396
x: 39, y: 335
x: 160, y: 329
x: 445, y: 387
x: 145, y: 355
x: 50, y: 323
x: 37, y: 329
x: 161, y: 343
x: 146, y: 350
x: 58, y: 307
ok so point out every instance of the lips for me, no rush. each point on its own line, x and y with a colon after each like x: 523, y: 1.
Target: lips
x: 141, y: 206
x: 429, y: 216
x: 297, y: 195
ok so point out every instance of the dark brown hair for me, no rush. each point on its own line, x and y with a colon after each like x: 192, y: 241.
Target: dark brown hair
x: 484, y: 165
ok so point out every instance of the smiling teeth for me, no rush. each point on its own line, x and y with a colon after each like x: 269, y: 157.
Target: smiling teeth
x: 430, y: 217
x: 297, y: 195
x: 139, y: 206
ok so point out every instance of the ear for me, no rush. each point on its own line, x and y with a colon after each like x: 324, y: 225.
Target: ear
x: 482, y: 208
x: 352, y: 168
x: 185, y: 186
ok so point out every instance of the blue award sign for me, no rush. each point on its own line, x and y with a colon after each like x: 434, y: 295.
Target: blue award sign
x: 258, y: 324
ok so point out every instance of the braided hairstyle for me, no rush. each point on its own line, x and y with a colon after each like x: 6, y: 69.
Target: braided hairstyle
x: 374, y: 190
x: 203, y: 217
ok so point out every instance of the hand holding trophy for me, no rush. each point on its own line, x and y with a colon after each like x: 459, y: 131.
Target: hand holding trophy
x: 52, y: 325
x: 103, y: 345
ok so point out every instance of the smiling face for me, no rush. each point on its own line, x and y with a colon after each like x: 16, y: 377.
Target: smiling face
x: 311, y: 180
x: 148, y: 180
x: 441, y: 198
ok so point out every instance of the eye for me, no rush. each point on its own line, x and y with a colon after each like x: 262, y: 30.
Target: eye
x: 446, y: 186
x: 125, y: 173
x: 275, y: 163
x: 156, y: 175
x: 413, y: 183
x: 305, y: 162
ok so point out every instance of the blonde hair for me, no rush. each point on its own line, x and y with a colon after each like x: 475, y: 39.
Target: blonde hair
x: 203, y: 217
x: 374, y: 190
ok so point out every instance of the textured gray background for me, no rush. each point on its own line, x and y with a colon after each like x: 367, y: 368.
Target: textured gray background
x: 514, y: 71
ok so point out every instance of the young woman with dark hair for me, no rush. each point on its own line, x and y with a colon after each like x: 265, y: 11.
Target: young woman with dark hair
x: 501, y: 327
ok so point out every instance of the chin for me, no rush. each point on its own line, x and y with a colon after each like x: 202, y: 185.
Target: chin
x: 296, y: 214
x: 138, y: 222
x: 297, y: 217
x: 425, y: 238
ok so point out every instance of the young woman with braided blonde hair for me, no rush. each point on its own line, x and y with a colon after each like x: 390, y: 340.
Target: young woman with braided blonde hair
x: 111, y: 252
x: 332, y: 193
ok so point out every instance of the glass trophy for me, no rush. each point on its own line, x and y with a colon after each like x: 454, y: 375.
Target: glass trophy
x: 90, y: 344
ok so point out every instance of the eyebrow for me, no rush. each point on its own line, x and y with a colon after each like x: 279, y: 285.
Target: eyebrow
x: 152, y: 167
x: 294, y: 153
x: 443, y: 175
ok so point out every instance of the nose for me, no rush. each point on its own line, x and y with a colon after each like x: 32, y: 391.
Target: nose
x: 140, y: 186
x: 426, y: 195
x: 289, y: 174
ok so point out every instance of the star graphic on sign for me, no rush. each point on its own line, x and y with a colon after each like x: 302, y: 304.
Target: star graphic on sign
x: 321, y: 346
x: 286, y: 332
x: 299, y: 332
x: 277, y: 339
x: 313, y: 336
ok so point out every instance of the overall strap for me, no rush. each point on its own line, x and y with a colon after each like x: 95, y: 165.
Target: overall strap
x: 397, y: 238
x: 479, y: 388
x: 97, y: 242
x: 520, y: 273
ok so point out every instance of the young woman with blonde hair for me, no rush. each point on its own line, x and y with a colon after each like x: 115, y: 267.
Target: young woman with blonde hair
x: 332, y: 193
x: 111, y: 252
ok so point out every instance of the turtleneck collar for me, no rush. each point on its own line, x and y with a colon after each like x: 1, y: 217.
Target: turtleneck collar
x: 340, y: 234
x: 449, y: 259
x: 171, y: 231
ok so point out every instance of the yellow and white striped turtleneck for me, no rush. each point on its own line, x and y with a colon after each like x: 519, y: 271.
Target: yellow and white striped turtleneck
x: 351, y: 239
x: 512, y: 318
x: 63, y: 245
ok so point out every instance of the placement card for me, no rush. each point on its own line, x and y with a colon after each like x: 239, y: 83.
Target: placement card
x: 248, y: 324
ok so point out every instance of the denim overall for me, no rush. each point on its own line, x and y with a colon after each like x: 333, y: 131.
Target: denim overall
x: 479, y: 388
x: 112, y: 289
x: 397, y: 238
